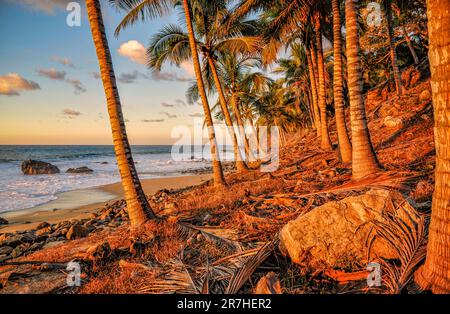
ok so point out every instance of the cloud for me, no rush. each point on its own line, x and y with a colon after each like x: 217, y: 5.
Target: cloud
x: 70, y: 113
x: 164, y: 76
x: 133, y: 50
x: 63, y: 61
x: 52, y: 74
x: 167, y: 105
x: 131, y: 77
x: 12, y: 83
x: 196, y: 115
x: 152, y: 120
x: 57, y: 75
x: 180, y: 102
x: 77, y: 85
x: 188, y: 67
x: 95, y: 75
x: 47, y: 6
x: 168, y: 115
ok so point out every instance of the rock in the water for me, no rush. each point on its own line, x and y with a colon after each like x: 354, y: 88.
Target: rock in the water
x: 31, y: 167
x: 43, y: 225
x: 80, y: 170
x: 392, y: 122
x: 77, y: 232
x: 336, y: 231
x: 3, y: 221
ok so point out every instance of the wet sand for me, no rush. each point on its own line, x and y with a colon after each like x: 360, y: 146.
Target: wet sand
x: 80, y: 203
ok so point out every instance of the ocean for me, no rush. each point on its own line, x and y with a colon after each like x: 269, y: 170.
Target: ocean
x: 18, y: 191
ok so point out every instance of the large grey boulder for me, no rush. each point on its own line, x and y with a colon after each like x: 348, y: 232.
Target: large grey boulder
x: 338, y: 231
x: 32, y: 167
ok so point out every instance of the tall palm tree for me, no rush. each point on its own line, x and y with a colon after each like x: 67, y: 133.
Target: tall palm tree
x: 138, y: 207
x: 435, y: 274
x: 141, y: 9
x: 393, y: 52
x: 325, y: 136
x: 345, y: 148
x: 314, y: 96
x: 364, y: 161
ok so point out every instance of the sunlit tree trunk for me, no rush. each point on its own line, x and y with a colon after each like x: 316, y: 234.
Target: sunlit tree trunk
x: 138, y: 207
x: 435, y: 274
x: 393, y: 52
x: 325, y: 137
x: 314, y: 96
x: 240, y: 164
x: 219, y: 179
x: 345, y: 148
x: 364, y: 161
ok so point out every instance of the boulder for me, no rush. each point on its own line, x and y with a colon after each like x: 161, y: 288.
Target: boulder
x: 336, y: 231
x: 80, y: 170
x: 77, y: 232
x: 3, y: 221
x: 392, y: 122
x: 44, y: 231
x: 32, y: 167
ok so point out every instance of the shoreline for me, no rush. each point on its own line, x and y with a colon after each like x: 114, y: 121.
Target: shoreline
x: 80, y: 203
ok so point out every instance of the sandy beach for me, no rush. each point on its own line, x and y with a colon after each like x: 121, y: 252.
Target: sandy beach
x: 80, y: 203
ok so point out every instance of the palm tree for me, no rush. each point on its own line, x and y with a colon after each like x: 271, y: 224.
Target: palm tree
x: 141, y: 9
x: 364, y: 161
x: 325, y: 137
x: 314, y: 96
x: 435, y: 274
x: 213, y: 39
x: 345, y: 148
x: 138, y: 207
x: 393, y: 52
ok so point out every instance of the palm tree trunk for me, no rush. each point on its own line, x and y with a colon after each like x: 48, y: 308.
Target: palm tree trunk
x: 325, y: 142
x: 393, y: 52
x: 138, y: 207
x: 410, y: 46
x: 314, y: 97
x: 345, y: 148
x: 219, y: 179
x: 435, y: 274
x: 237, y: 112
x: 364, y: 161
x: 240, y: 164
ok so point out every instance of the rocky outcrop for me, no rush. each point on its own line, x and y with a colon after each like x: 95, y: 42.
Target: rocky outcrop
x: 338, y: 231
x: 77, y: 232
x: 3, y: 221
x: 33, y: 167
x: 80, y: 170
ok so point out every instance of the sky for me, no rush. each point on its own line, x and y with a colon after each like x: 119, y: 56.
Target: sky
x: 50, y: 91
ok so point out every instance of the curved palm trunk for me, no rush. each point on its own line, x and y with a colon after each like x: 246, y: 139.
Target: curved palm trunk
x: 345, y: 148
x: 325, y: 142
x: 314, y: 96
x: 240, y: 164
x: 393, y: 52
x: 363, y: 155
x: 237, y: 112
x: 219, y: 179
x: 138, y: 207
x: 410, y: 46
x: 435, y: 274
